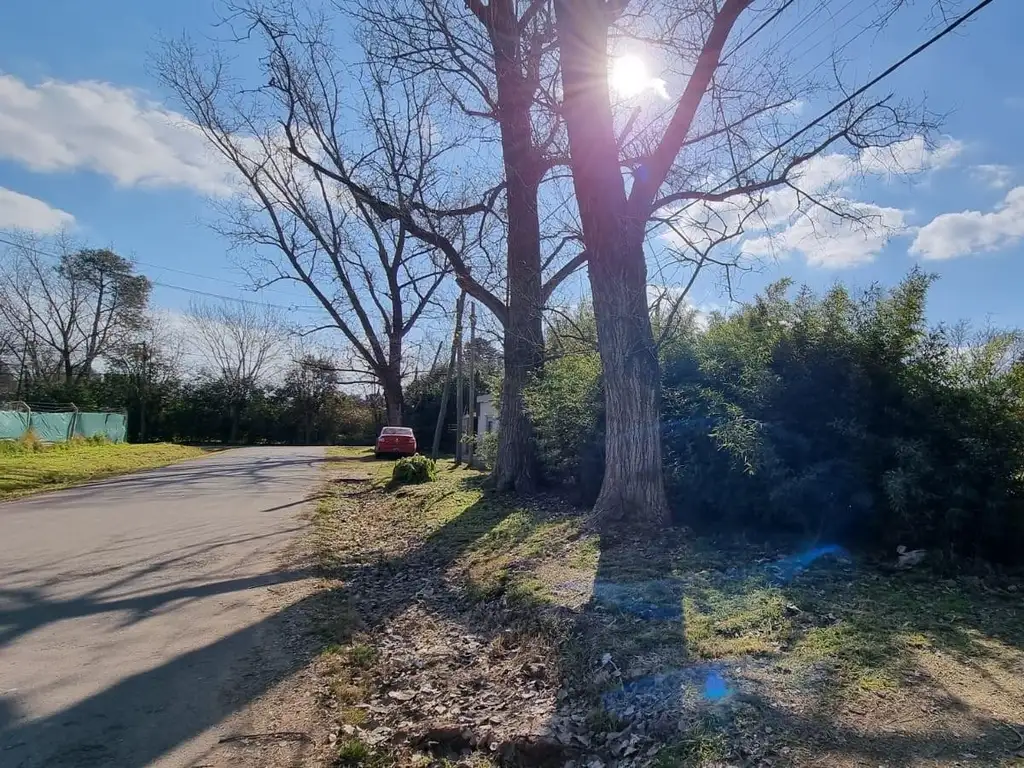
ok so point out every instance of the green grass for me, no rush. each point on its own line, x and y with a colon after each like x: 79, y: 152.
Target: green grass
x: 865, y: 624
x: 23, y: 471
x: 840, y: 629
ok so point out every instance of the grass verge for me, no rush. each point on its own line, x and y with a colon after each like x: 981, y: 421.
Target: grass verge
x: 476, y: 629
x: 67, y: 464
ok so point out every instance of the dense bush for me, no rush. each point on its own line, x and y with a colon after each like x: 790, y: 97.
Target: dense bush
x: 567, y: 406
x: 412, y: 470
x: 834, y: 416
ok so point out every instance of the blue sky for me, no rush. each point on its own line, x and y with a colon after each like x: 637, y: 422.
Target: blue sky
x: 82, y: 145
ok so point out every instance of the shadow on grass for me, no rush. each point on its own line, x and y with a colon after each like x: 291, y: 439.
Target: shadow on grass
x: 667, y: 643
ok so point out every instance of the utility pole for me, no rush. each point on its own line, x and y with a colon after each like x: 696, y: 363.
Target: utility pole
x: 456, y: 338
x: 460, y: 407
x: 470, y: 427
x: 142, y: 392
x: 23, y: 372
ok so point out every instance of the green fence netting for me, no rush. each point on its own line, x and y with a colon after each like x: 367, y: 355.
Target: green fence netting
x: 13, y: 424
x: 52, y: 427
x: 59, y: 427
x: 112, y: 425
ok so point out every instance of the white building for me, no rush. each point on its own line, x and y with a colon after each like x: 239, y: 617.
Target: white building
x: 486, y: 416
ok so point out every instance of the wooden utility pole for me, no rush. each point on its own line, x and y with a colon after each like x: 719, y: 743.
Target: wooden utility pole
x: 460, y: 388
x: 470, y: 427
x: 456, y: 340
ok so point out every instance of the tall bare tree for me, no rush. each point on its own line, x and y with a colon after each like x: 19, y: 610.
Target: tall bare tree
x: 728, y: 147
x: 241, y: 343
x: 64, y: 307
x: 496, y: 74
x: 372, y: 280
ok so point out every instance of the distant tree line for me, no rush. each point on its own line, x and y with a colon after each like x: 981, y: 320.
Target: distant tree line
x: 76, y: 327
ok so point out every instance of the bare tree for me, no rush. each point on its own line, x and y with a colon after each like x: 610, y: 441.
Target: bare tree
x: 64, y: 309
x: 372, y: 280
x: 490, y: 206
x: 241, y: 342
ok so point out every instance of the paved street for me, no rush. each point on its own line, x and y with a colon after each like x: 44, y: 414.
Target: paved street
x: 136, y: 613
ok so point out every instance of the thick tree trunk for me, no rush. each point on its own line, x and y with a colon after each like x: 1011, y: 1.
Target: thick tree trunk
x: 394, y: 399
x: 394, y: 394
x: 633, y: 491
x: 515, y: 465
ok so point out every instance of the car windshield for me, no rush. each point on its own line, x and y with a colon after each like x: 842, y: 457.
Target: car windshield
x: 393, y: 431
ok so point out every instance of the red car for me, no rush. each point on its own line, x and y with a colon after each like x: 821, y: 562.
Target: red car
x: 395, y: 441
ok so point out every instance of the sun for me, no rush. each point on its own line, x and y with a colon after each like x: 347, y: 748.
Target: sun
x: 629, y: 76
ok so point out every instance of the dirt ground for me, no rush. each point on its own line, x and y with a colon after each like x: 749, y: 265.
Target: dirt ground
x: 459, y: 628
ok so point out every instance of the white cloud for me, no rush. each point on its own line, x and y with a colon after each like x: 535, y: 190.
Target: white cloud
x: 957, y: 234
x: 826, y: 240
x: 96, y: 126
x: 910, y: 156
x: 995, y: 176
x: 18, y: 211
x: 846, y: 233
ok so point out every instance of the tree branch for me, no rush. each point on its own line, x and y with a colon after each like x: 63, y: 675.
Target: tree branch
x: 664, y: 155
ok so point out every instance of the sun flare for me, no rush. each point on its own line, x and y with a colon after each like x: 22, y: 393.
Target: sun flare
x: 629, y: 77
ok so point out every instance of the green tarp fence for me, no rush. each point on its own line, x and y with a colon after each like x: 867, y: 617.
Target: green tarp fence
x: 52, y: 427
x: 113, y: 425
x: 13, y: 424
x: 59, y: 427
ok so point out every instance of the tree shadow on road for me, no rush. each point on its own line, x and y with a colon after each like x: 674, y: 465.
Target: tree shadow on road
x: 146, y: 715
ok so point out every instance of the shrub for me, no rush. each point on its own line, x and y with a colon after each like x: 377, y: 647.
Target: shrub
x: 412, y: 470
x: 567, y: 408
x: 839, y: 416
x: 486, y: 449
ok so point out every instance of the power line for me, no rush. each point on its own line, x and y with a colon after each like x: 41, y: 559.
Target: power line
x: 760, y: 27
x: 835, y: 108
x: 208, y: 294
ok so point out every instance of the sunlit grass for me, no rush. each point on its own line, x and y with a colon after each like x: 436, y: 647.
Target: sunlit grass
x: 66, y: 464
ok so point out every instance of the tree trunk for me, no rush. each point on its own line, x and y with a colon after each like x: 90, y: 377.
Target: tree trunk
x: 394, y: 394
x: 235, y: 417
x: 394, y: 398
x: 515, y: 467
x: 633, y: 491
x: 142, y: 418
x: 515, y: 464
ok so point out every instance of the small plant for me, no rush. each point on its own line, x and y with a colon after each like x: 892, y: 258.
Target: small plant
x: 30, y: 442
x: 362, y: 655
x: 353, y: 752
x: 487, y: 449
x: 413, y: 470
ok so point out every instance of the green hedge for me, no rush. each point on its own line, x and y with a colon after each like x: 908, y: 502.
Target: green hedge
x: 842, y: 415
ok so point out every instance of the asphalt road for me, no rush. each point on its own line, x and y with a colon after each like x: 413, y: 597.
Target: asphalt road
x: 139, y: 613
